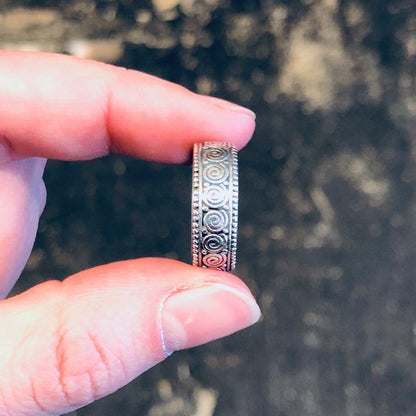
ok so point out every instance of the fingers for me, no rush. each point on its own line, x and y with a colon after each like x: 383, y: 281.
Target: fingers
x: 66, y: 344
x: 22, y: 198
x: 60, y: 107
x: 56, y: 106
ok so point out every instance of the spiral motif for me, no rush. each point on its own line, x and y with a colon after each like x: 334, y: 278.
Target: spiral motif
x: 214, y: 205
x: 216, y: 173
x: 216, y: 154
x: 214, y: 243
x: 216, y: 221
x: 215, y: 196
x: 214, y: 260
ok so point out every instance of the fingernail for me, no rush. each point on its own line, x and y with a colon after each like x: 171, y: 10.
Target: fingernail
x: 195, y: 316
x: 230, y: 106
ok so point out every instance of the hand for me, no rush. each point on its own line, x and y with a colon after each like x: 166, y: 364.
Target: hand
x: 65, y: 344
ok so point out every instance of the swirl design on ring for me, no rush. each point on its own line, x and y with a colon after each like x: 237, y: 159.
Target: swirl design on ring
x: 214, y: 243
x: 216, y: 173
x: 216, y: 261
x: 216, y: 154
x: 214, y: 205
x: 215, y: 196
x: 216, y: 221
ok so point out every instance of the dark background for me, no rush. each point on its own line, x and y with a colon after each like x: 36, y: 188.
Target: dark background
x: 327, y: 203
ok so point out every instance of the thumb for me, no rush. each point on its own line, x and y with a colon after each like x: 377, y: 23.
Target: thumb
x: 63, y: 345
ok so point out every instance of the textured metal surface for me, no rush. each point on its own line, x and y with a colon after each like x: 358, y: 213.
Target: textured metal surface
x: 214, y: 206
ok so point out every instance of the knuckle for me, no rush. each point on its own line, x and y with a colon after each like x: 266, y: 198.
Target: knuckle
x: 83, y: 370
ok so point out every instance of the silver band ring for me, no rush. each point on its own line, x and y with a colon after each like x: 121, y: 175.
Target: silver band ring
x: 214, y: 205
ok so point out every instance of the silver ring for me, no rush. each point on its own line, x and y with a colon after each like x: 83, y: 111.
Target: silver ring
x: 214, y: 205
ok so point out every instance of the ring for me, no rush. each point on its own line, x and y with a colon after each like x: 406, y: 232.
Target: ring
x: 214, y: 205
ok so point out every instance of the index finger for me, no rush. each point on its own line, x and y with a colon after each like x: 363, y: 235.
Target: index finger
x: 60, y: 107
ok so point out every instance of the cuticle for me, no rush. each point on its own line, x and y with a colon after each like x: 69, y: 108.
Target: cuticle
x: 171, y: 293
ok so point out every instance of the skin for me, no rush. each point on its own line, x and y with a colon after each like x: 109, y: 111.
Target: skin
x: 65, y: 344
